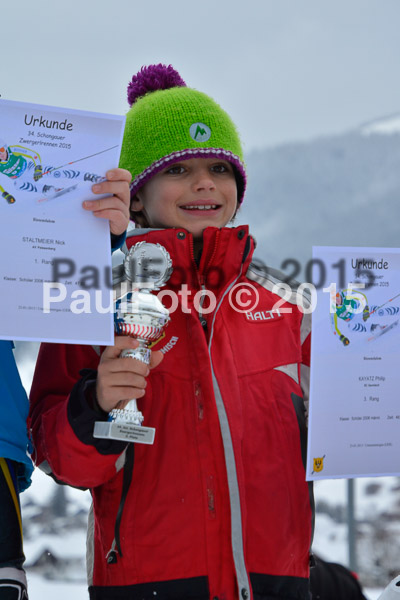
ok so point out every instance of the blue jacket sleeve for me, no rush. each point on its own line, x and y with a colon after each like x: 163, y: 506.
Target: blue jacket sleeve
x: 14, y: 411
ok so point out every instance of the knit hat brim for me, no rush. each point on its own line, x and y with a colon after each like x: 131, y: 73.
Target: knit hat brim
x: 175, y: 157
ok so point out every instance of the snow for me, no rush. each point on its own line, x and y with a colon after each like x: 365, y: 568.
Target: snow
x: 334, y: 492
x: 330, y: 540
x: 40, y: 589
x: 331, y: 490
x: 372, y: 496
x: 69, y: 545
x: 43, y: 487
x: 386, y: 126
x: 372, y: 594
x: 381, y: 501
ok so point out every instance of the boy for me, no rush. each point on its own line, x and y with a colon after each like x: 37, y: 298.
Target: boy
x: 218, y: 507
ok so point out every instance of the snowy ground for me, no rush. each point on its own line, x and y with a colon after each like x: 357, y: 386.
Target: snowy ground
x: 330, y: 539
x: 40, y: 589
x: 370, y: 594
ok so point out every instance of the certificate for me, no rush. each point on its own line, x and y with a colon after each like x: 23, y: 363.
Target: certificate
x: 49, y: 159
x: 354, y: 416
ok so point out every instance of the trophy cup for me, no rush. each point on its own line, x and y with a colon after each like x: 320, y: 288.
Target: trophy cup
x: 140, y: 314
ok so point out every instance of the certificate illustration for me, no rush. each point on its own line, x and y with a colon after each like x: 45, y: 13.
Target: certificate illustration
x: 354, y: 412
x: 49, y: 159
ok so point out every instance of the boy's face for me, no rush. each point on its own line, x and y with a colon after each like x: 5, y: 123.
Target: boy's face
x: 192, y: 194
x: 3, y: 154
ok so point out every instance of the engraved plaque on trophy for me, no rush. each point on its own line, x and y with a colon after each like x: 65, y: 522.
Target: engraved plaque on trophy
x: 139, y: 314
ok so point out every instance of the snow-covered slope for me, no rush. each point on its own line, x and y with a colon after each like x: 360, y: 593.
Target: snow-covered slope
x: 333, y: 191
x: 384, y: 126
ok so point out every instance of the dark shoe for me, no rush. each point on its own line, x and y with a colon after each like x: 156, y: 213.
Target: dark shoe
x: 12, y: 590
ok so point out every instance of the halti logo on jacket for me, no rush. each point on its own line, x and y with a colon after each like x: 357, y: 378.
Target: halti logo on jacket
x: 263, y: 315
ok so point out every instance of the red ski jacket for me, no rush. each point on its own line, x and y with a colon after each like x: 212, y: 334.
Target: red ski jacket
x: 218, y: 508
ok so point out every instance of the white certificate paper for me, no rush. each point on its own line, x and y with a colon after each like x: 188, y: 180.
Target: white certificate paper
x: 49, y: 159
x: 354, y: 418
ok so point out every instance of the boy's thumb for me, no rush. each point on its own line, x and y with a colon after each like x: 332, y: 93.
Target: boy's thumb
x: 156, y: 358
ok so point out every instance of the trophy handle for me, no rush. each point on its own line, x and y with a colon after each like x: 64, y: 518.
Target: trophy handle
x: 126, y: 423
x: 131, y: 412
x: 142, y: 352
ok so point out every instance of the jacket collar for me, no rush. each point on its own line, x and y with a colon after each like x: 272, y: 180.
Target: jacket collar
x: 226, y: 252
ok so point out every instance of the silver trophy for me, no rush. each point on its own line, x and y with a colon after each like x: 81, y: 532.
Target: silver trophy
x: 140, y: 314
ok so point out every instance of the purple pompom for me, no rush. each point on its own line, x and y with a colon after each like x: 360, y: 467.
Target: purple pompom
x: 152, y: 78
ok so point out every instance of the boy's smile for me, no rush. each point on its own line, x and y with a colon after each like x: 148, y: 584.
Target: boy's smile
x: 192, y: 194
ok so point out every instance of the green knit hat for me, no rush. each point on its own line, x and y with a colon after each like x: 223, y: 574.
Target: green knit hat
x: 169, y: 122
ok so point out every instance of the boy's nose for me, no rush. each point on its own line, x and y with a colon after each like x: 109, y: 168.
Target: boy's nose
x: 204, y: 181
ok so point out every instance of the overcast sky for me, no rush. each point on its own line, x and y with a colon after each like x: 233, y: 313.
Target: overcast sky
x: 284, y: 69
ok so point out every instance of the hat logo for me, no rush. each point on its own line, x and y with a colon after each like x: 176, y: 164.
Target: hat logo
x: 200, y: 132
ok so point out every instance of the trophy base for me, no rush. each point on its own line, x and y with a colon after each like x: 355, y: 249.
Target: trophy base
x: 126, y: 432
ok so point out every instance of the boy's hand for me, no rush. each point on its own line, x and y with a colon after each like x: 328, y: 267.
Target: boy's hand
x: 116, y: 206
x: 122, y: 379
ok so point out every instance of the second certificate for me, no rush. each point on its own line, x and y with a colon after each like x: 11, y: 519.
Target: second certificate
x: 354, y: 421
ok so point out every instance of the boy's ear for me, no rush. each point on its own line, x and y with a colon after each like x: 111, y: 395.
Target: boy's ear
x: 136, y: 210
x: 136, y: 204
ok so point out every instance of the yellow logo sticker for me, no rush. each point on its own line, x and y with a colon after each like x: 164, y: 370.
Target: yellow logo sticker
x: 318, y: 464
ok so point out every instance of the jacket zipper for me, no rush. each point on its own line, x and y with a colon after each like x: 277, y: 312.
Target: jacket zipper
x: 230, y: 463
x: 201, y: 278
